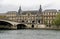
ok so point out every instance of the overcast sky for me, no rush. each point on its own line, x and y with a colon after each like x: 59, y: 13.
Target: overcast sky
x: 13, y: 5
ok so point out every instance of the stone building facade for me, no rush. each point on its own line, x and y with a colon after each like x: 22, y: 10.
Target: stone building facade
x: 34, y: 17
x: 49, y: 15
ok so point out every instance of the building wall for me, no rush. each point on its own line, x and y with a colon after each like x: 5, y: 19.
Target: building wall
x: 29, y: 18
x: 11, y: 15
x: 33, y: 18
x: 49, y: 17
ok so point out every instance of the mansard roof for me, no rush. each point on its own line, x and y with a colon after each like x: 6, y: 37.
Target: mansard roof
x: 32, y: 12
x: 50, y: 10
x: 11, y: 12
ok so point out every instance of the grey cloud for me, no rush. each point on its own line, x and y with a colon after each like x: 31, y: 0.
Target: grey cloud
x: 1, y: 0
x: 51, y: 6
x: 10, y: 7
x: 35, y: 7
x: 5, y: 8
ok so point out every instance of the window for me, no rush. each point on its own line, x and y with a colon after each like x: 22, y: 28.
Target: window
x: 48, y: 13
x: 22, y: 20
x: 38, y: 21
x: 51, y: 13
x: 45, y: 17
x: 32, y: 26
x: 48, y: 17
x: 33, y: 21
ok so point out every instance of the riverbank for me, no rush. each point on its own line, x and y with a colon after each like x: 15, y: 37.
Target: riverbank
x: 33, y: 29
x: 40, y: 29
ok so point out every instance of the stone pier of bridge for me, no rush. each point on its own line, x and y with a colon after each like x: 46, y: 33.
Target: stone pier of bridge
x: 16, y: 25
x: 28, y: 26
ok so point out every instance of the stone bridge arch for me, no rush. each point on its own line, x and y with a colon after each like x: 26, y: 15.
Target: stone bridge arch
x: 5, y: 25
x: 21, y: 26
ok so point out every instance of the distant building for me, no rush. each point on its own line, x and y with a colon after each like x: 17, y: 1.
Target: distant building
x: 11, y: 15
x: 35, y: 16
x: 49, y: 15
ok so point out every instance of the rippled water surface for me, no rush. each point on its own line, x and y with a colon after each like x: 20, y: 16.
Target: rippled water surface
x: 29, y: 34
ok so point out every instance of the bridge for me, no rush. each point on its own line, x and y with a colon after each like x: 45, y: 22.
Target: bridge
x: 16, y: 25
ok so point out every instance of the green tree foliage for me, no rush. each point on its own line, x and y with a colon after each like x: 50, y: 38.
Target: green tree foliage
x: 56, y: 21
x: 2, y: 17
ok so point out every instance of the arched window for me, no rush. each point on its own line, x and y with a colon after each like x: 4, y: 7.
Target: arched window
x: 32, y: 26
x: 22, y: 20
x: 38, y: 21
x: 33, y: 21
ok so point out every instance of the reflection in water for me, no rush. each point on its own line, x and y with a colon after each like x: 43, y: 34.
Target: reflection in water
x: 29, y: 34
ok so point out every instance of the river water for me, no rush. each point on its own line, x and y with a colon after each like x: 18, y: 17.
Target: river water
x: 29, y: 34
